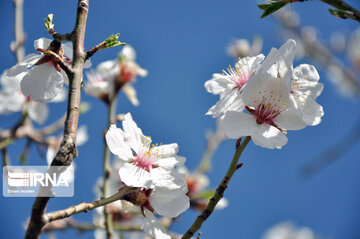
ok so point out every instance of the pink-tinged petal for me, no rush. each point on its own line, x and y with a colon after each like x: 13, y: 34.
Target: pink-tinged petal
x: 153, y: 228
x: 249, y: 65
x: 133, y: 134
x: 224, y: 103
x: 237, y: 124
x: 289, y: 120
x: 23, y: 66
x: 269, y: 137
x: 38, y: 112
x: 168, y: 178
x: 116, y: 143
x: 169, y: 203
x: 218, y: 84
x: 42, y: 83
x: 134, y: 176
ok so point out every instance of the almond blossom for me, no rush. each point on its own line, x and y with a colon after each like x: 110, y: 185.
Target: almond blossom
x: 269, y: 98
x: 110, y: 76
x: 12, y: 100
x: 162, y: 201
x: 230, y: 84
x: 41, y: 77
x: 142, y: 165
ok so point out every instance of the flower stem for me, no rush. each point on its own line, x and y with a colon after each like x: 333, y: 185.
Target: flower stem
x: 106, y: 165
x: 219, y: 193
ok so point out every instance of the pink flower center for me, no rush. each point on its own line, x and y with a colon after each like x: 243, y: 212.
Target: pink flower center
x: 265, y: 114
x: 144, y: 161
x: 239, y: 76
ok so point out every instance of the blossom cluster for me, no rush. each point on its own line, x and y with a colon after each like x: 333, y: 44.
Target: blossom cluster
x: 276, y: 96
x: 113, y: 75
x: 153, y: 170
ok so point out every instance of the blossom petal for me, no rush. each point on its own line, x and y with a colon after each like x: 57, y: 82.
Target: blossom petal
x: 116, y: 143
x: 170, y: 162
x: 218, y: 84
x: 42, y: 43
x: 134, y: 176
x: 308, y: 79
x: 289, y: 120
x: 38, y: 112
x: 153, y: 228
x: 130, y: 93
x: 237, y: 124
x: 42, y: 83
x: 269, y: 137
x: 169, y: 203
x: 168, y: 178
x: 23, y: 66
x: 223, y: 104
x: 133, y: 134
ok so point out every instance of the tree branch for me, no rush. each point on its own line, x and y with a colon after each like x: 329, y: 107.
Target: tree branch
x: 84, y: 207
x: 67, y: 151
x: 349, y: 11
x: 219, y: 193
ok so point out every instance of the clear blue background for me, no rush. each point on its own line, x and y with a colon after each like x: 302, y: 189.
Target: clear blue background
x: 182, y: 43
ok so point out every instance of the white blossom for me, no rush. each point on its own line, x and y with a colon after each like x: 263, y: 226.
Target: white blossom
x: 142, y: 165
x: 272, y: 107
x: 41, y: 77
x: 110, y: 76
x: 12, y: 100
x: 230, y: 84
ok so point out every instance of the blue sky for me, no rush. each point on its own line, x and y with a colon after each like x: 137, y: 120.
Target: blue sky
x: 181, y: 44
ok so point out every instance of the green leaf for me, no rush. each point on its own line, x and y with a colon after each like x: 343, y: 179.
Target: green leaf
x: 272, y: 7
x: 112, y: 41
x: 48, y: 22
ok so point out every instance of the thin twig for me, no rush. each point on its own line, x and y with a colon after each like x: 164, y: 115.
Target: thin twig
x: 68, y: 70
x: 352, y: 12
x: 95, y: 49
x: 219, y: 193
x: 107, y: 168
x: 84, y: 207
x: 18, y: 46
